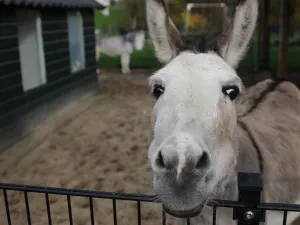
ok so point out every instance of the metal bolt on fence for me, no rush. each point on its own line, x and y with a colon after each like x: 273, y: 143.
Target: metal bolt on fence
x: 250, y: 188
x: 249, y: 215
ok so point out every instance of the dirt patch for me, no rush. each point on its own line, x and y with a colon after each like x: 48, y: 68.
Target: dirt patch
x: 99, y: 144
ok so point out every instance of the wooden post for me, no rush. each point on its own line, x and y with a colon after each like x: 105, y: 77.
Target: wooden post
x: 265, y: 53
x: 284, y: 34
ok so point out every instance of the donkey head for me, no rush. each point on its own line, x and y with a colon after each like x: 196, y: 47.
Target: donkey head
x: 193, y: 150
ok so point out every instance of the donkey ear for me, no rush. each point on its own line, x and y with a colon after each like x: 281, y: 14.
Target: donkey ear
x: 235, y: 43
x: 165, y: 37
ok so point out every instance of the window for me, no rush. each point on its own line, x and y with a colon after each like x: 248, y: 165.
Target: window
x: 31, y: 48
x: 76, y: 43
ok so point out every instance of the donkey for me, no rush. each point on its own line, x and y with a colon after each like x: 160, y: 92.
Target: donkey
x: 121, y: 45
x: 207, y: 127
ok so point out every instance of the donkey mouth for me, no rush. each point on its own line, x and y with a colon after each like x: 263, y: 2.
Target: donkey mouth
x: 185, y: 213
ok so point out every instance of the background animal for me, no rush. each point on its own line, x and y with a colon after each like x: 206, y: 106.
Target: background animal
x: 207, y: 127
x: 121, y: 45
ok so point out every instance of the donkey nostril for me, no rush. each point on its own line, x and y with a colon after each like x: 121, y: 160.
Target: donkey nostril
x: 203, y: 161
x: 160, y: 161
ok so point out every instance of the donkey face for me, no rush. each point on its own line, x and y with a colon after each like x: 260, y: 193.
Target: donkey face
x: 193, y: 152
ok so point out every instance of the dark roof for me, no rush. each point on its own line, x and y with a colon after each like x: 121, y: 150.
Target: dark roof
x: 55, y: 3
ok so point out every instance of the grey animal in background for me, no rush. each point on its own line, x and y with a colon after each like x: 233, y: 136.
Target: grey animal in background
x: 122, y: 45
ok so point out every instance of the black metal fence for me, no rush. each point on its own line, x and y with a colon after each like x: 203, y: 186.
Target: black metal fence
x: 247, y: 210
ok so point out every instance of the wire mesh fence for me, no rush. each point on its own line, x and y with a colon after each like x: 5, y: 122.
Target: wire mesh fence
x: 247, y: 210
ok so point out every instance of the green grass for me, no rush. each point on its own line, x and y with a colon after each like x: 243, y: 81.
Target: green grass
x: 139, y: 59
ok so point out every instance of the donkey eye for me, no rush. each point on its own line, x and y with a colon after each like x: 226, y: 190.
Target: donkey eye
x: 158, y: 90
x: 231, y: 92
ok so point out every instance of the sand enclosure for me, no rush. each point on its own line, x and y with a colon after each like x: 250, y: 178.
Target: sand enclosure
x: 99, y: 143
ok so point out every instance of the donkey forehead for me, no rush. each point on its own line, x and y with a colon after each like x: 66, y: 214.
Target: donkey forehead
x: 197, y: 69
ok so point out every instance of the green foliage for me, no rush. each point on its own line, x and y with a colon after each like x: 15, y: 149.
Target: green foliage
x: 109, y: 24
x: 136, y: 10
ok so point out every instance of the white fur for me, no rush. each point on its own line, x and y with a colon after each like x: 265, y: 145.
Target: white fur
x: 140, y: 40
x: 233, y: 52
x: 158, y: 31
x: 115, y: 46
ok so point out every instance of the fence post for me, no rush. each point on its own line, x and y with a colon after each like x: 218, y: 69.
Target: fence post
x: 250, y: 188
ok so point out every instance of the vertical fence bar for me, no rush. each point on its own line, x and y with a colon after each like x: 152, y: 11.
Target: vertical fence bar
x: 139, y: 213
x: 70, y: 209
x: 115, y: 211
x: 250, y: 188
x: 188, y: 221
x: 92, y: 211
x: 27, y: 207
x: 284, y: 218
x: 48, y: 209
x: 164, y: 218
x: 6, y: 207
x: 214, y: 222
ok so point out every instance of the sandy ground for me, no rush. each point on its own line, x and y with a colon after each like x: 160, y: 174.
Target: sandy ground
x: 98, y: 144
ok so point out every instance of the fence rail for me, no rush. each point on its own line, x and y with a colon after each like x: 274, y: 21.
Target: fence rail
x: 247, y: 210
